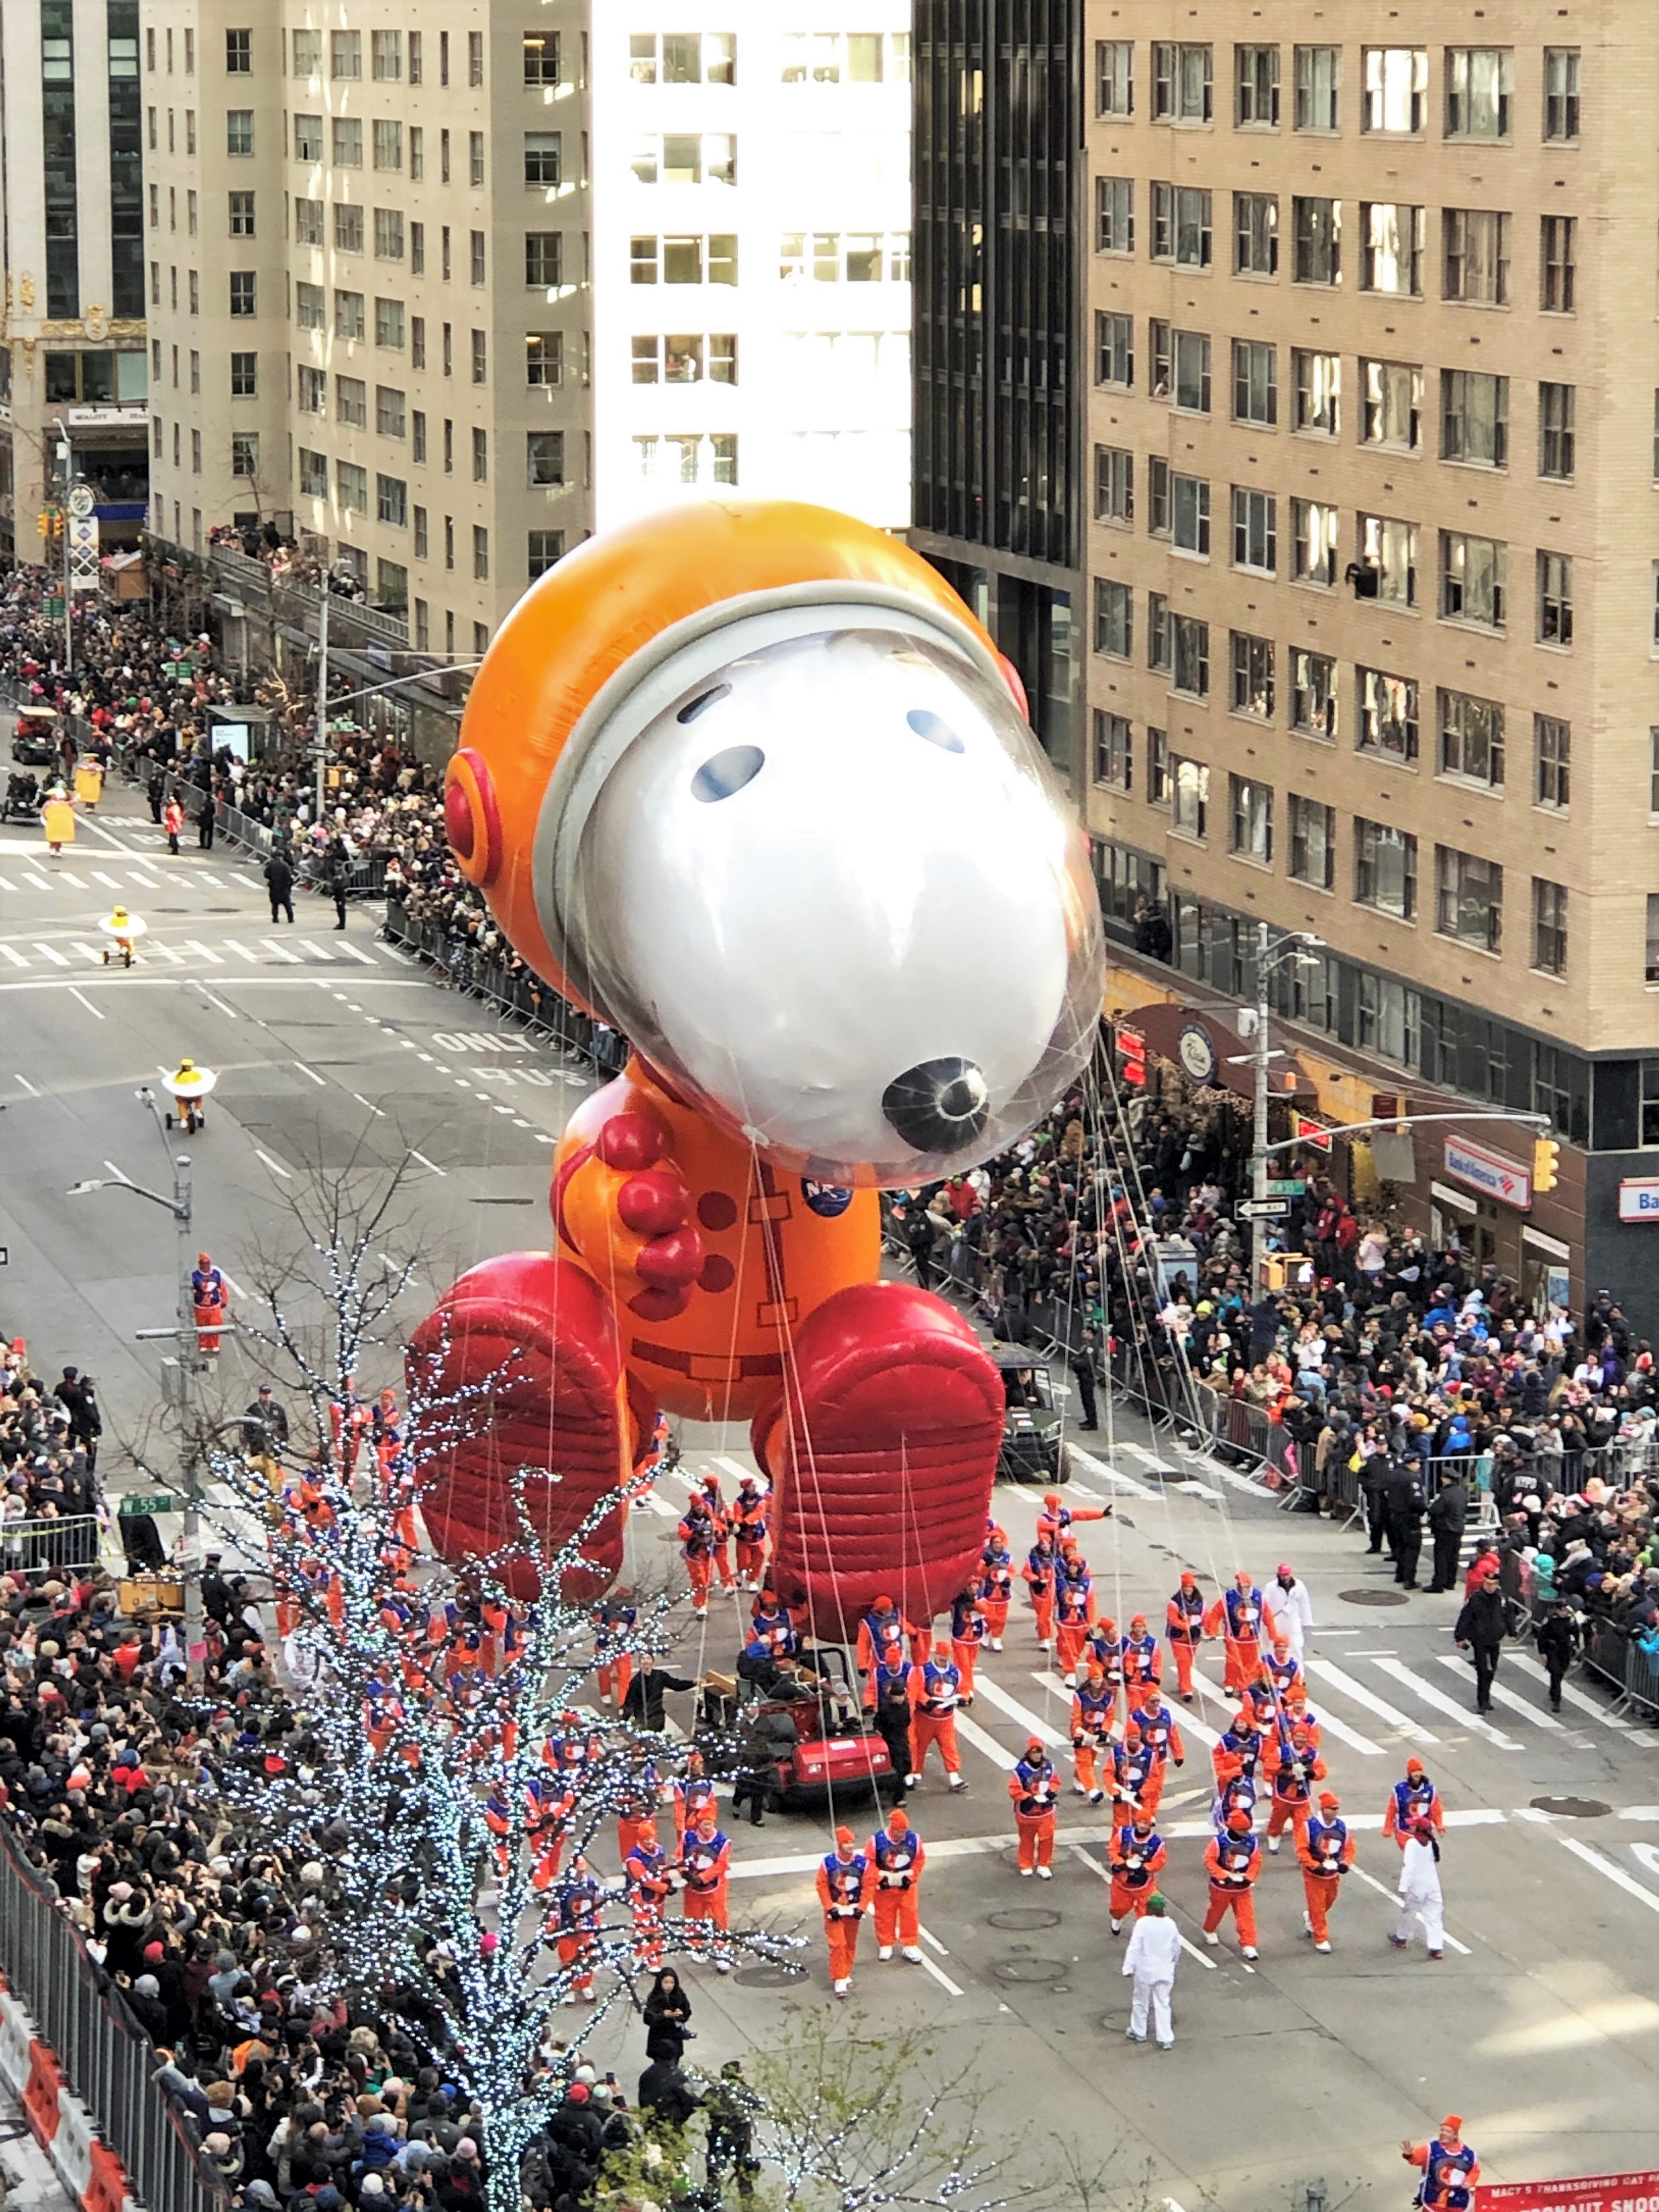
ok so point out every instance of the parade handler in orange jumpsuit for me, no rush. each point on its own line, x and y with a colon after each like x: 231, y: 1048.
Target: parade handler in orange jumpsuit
x: 847, y: 1886
x: 1035, y: 1788
x: 896, y: 1854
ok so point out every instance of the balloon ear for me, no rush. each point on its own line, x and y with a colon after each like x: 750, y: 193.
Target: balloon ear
x: 473, y: 821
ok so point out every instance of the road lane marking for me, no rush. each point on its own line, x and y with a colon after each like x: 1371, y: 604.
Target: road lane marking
x: 1441, y: 1704
x: 195, y: 945
x: 351, y: 952
x: 275, y: 1166
x: 1504, y: 1697
x: 1099, y: 1469
x: 1588, y: 1704
x: 320, y: 1081
x: 203, y: 877
x: 148, y: 882
x: 37, y: 882
x: 1033, y: 1724
x: 94, y: 953
x: 941, y: 1977
x: 1612, y: 1873
x: 375, y: 1111
x: 282, y: 952
x: 1339, y: 1679
x: 229, y: 1012
x: 15, y: 958
x: 425, y: 1163
x: 111, y: 883
x: 27, y: 1085
x: 95, y: 1011
x: 232, y: 944
x: 316, y: 951
x: 971, y: 1732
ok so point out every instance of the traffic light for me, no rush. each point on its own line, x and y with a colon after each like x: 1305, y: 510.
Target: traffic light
x: 49, y: 523
x: 1546, y: 1164
x: 1133, y: 1046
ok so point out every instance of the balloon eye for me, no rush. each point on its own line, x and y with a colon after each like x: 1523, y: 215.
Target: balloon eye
x: 934, y: 728
x: 726, y: 772
x: 693, y: 708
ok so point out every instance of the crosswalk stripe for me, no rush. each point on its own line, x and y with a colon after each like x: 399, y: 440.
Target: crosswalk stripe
x: 1442, y: 1704
x: 195, y: 945
x: 232, y: 944
x: 98, y: 877
x: 969, y: 1731
x: 1033, y: 1724
x: 7, y: 884
x: 1588, y: 1704
x: 51, y: 954
x: 1610, y: 1872
x: 1504, y: 1697
x: 92, y: 951
x: 203, y: 877
x: 66, y: 877
x: 317, y: 952
x: 1324, y: 1716
x: 39, y: 883
x: 15, y: 958
x: 355, y: 952
x: 247, y: 883
x: 155, y: 949
x: 1099, y: 1469
x: 148, y: 881
x: 282, y: 952
x: 1339, y: 1679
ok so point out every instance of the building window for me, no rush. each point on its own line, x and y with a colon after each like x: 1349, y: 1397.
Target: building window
x: 345, y: 53
x: 351, y: 487
x: 308, y: 53
x: 1650, y: 962
x: 351, y: 402
x: 1479, y: 92
x: 1560, y: 94
x: 1387, y: 1018
x: 544, y: 548
x: 1557, y: 408
x: 476, y: 256
x: 1250, y: 820
x: 386, y: 50
x: 1255, y: 382
x: 391, y: 500
x: 1385, y: 869
x: 1318, y: 392
x: 245, y: 376
x: 196, y: 452
x: 544, y: 359
x: 480, y: 357
x: 1653, y: 775
x: 480, y: 554
x: 348, y: 131
x: 1181, y: 225
x: 1114, y: 754
x: 1158, y: 767
x: 1314, y: 528
x: 311, y: 389
x: 196, y: 293
x: 1391, y: 249
x: 1313, y: 694
x: 1255, y: 88
x: 544, y: 457
x: 1549, y: 927
x: 543, y: 260
x: 1472, y: 574
x: 1190, y: 641
x: 542, y: 157
x: 688, y: 459
x: 1180, y: 367
x: 241, y: 207
x: 1557, y: 258
x: 1396, y: 86
x: 1472, y: 739
x: 1318, y: 83
x: 1476, y: 263
x: 1252, y: 667
x: 1114, y: 359
x: 1318, y: 234
x: 1177, y: 506
x: 475, y: 57
x: 1115, y: 484
x: 1189, y: 785
x: 418, y: 250
x: 349, y: 315
x: 389, y: 147
x: 1387, y: 714
x: 541, y: 57
x: 1650, y: 1104
x: 1554, y: 598
x: 1115, y: 215
x: 1552, y: 756
x: 388, y: 233
x: 1255, y: 234
x: 1391, y: 404
x: 1255, y: 530
x: 389, y: 323
x: 1474, y: 417
x: 1115, y: 77
x: 1114, y: 618
x: 310, y: 306
x: 307, y: 137
x: 1160, y: 651
x: 390, y: 413
x: 1183, y: 82
x: 243, y: 292
x: 1313, y: 843
x: 239, y: 132
x: 475, y: 159
x: 1468, y: 898
x: 348, y: 229
x: 417, y: 439
x: 313, y: 474
x: 1388, y: 560
x: 480, y: 455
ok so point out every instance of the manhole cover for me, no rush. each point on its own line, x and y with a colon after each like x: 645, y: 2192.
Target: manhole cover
x: 1028, y: 1970
x: 1373, y: 1597
x: 767, y: 1977
x: 218, y: 910
x: 1023, y: 1919
x: 1571, y: 1808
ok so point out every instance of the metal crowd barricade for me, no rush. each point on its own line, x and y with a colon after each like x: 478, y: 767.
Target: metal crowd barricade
x: 108, y: 2062
x: 527, y: 998
x: 39, y: 1547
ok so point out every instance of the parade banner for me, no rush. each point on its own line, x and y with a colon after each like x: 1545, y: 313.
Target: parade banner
x: 1588, y: 2192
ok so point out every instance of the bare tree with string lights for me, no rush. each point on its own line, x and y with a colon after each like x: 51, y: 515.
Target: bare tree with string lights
x: 450, y: 1770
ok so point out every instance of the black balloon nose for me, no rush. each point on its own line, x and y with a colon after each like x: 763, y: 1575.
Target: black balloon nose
x: 937, y: 1104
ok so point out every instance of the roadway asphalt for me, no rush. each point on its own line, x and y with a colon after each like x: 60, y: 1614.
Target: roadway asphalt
x: 1538, y: 2025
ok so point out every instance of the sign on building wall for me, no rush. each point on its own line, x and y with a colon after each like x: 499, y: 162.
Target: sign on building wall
x: 1488, y: 1172
x: 1638, y: 1198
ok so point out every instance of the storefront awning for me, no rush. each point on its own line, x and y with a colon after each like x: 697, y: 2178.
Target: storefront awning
x: 1209, y: 1052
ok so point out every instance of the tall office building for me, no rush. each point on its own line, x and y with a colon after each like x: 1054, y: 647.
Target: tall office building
x: 72, y: 367
x: 1371, y: 641
x: 451, y: 287
x: 999, y: 177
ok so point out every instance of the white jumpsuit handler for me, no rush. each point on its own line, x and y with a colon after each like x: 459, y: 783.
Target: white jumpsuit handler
x: 1151, y: 1958
x: 1419, y: 1893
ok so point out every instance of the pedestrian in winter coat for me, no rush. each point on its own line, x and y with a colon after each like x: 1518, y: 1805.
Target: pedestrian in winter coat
x: 1480, y: 1629
x: 279, y: 881
x: 1557, y: 1638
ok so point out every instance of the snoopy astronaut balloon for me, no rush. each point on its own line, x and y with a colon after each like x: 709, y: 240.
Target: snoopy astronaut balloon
x: 748, y: 782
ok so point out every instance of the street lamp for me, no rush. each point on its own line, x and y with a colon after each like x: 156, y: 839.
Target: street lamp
x: 187, y: 1365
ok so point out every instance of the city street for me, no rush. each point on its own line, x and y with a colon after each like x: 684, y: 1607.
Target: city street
x: 335, y: 1052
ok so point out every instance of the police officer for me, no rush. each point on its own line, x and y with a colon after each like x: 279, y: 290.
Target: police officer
x: 1082, y: 1364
